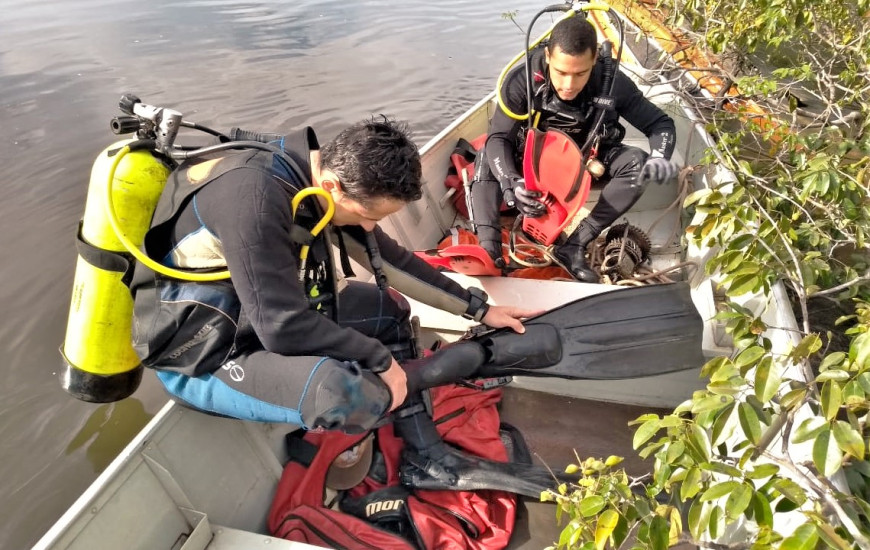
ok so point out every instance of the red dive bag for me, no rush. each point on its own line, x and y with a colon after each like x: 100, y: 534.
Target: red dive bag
x: 480, y: 520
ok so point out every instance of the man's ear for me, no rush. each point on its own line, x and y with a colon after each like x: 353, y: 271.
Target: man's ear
x: 329, y: 181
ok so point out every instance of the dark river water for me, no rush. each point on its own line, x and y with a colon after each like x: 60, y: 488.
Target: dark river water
x: 257, y: 64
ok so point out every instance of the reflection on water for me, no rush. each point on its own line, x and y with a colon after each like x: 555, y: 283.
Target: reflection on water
x: 108, y: 430
x: 261, y: 65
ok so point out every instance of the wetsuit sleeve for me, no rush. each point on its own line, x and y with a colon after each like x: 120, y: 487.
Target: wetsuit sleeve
x: 409, y: 274
x: 503, y: 130
x: 250, y: 214
x: 644, y: 115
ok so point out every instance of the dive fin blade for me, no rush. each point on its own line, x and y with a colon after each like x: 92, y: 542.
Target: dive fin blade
x: 632, y: 332
x: 456, y: 470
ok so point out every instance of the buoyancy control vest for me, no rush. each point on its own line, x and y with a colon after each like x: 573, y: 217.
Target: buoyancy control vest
x: 194, y: 327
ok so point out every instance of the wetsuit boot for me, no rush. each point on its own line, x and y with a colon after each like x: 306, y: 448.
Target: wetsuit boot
x: 430, y: 463
x: 485, y: 214
x: 572, y: 254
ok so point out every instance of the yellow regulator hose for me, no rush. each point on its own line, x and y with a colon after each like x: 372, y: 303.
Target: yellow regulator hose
x: 330, y: 211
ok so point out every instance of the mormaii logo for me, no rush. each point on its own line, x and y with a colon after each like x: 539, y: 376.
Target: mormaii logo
x: 373, y: 508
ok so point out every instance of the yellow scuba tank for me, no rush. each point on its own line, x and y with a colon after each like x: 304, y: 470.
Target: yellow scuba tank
x: 101, y: 365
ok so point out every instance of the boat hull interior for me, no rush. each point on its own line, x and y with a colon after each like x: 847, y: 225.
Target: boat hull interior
x: 193, y: 481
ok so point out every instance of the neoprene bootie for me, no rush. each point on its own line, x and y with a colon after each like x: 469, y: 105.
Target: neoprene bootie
x: 485, y: 204
x: 430, y: 463
x: 572, y: 254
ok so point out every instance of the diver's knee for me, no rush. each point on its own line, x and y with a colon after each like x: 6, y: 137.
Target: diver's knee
x: 343, y: 396
x: 629, y: 163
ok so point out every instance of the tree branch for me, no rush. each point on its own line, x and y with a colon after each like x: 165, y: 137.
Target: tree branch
x: 844, y: 286
x: 826, y: 495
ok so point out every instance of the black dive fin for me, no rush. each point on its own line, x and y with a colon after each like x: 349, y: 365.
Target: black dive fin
x: 454, y: 470
x: 627, y: 333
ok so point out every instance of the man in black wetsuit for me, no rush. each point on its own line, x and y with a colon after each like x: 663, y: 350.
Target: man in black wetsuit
x: 567, y: 75
x: 278, y: 343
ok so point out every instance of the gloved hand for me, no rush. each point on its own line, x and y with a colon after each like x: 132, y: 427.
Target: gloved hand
x: 658, y: 170
x: 527, y: 201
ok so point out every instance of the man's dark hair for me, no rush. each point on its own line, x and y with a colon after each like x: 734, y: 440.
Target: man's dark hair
x: 574, y: 36
x: 375, y: 159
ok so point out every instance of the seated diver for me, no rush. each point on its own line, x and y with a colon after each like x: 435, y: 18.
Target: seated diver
x: 567, y: 77
x: 276, y: 343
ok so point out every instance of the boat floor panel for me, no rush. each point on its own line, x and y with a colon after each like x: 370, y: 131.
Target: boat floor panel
x: 554, y: 427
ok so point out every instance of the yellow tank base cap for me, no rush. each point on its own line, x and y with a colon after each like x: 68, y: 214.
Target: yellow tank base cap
x: 98, y: 388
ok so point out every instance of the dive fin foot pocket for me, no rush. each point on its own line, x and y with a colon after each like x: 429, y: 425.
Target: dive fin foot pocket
x: 632, y: 332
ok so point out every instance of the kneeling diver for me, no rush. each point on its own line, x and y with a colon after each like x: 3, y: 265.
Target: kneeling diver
x: 285, y: 339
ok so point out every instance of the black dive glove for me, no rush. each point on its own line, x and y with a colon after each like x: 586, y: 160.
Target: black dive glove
x: 527, y: 201
x: 658, y: 170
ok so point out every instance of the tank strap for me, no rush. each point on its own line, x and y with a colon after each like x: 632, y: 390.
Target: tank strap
x: 108, y: 260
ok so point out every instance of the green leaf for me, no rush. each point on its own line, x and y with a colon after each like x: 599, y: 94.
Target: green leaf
x: 744, y: 284
x: 723, y: 426
x: 762, y: 471
x: 644, y: 418
x: 719, y: 490
x: 761, y: 509
x: 591, y: 505
x: 832, y: 538
x: 826, y: 455
x: 804, y: 537
x: 699, y: 518
x: 675, y: 451
x: 784, y: 506
x: 793, y: 398
x: 791, y: 490
x: 722, y: 468
x: 832, y: 360
x: 696, y: 196
x: 692, y: 484
x: 711, y: 403
x: 859, y: 351
x: 833, y: 374
x: 749, y: 357
x: 749, y: 422
x: 809, y: 429
x: 738, y: 500
x: 645, y: 432
x: 619, y: 533
x: 832, y: 398
x: 853, y: 391
x: 605, y: 526
x: 807, y: 346
x: 716, y: 522
x: 864, y: 380
x: 849, y: 439
x: 658, y: 533
x: 568, y: 533
x: 767, y: 380
x: 698, y: 441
